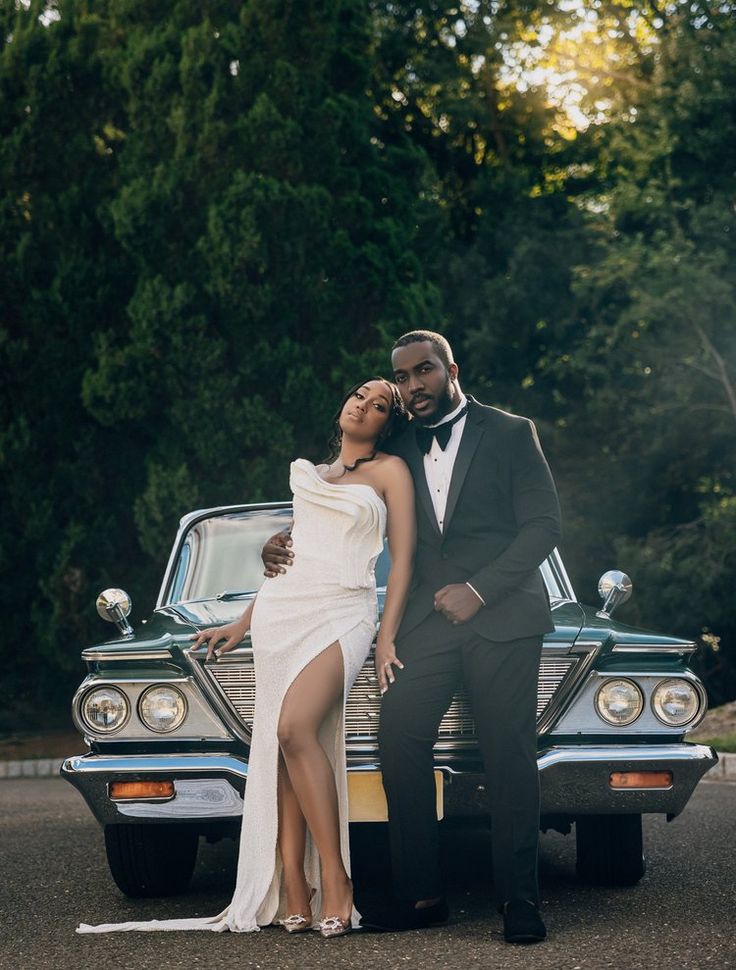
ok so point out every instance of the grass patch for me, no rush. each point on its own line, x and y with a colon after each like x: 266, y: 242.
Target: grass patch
x: 25, y: 745
x: 726, y: 743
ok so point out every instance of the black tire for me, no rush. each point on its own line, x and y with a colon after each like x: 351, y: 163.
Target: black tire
x: 609, y: 850
x: 151, y: 860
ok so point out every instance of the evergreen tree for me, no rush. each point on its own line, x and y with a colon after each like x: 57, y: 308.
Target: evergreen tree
x: 214, y: 244
x: 215, y: 216
x: 651, y: 377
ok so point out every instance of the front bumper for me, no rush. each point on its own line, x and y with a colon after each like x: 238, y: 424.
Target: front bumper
x: 574, y: 781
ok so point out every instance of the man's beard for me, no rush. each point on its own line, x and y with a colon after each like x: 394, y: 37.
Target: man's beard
x: 444, y: 406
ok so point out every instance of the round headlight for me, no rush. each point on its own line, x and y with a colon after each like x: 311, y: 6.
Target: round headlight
x: 104, y: 709
x: 162, y: 708
x: 675, y: 702
x: 619, y: 702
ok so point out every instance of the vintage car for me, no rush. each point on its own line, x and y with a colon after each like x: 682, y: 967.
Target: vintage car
x: 168, y: 732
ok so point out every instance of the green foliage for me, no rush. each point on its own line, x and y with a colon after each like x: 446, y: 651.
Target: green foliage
x: 650, y: 372
x: 201, y: 249
x: 216, y: 216
x: 723, y: 744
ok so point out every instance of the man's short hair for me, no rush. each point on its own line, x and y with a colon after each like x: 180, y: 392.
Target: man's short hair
x: 440, y: 344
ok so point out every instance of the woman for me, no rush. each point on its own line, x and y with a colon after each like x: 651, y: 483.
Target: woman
x: 312, y: 630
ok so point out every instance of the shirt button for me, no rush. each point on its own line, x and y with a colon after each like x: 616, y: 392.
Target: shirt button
x: 444, y: 555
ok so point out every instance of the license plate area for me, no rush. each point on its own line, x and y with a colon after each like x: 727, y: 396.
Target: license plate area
x: 367, y: 801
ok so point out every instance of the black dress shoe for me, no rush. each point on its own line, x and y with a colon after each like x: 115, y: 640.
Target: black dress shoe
x: 405, y: 916
x: 522, y: 922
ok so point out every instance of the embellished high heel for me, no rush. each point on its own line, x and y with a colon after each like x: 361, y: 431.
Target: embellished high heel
x: 334, y: 926
x: 330, y: 926
x: 298, y: 923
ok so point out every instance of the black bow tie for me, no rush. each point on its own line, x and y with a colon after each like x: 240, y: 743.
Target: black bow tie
x: 442, y: 432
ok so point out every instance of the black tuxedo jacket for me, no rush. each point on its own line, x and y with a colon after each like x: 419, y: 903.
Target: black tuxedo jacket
x: 502, y: 520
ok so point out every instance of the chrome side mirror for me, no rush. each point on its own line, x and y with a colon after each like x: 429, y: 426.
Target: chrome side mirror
x: 114, y: 605
x: 614, y: 588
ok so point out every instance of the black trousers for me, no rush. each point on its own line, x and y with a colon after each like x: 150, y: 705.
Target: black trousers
x: 501, y: 680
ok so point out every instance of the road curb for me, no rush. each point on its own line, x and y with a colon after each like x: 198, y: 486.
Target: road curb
x: 723, y: 770
x: 31, y: 768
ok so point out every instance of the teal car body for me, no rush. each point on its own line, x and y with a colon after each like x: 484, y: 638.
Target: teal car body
x: 614, y: 707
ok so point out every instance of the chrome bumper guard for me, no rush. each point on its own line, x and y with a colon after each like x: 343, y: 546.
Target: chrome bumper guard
x: 574, y: 781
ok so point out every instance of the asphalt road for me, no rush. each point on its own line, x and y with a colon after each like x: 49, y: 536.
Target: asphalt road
x: 53, y: 875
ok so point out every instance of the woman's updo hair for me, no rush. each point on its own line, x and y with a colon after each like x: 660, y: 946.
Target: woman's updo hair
x: 398, y: 419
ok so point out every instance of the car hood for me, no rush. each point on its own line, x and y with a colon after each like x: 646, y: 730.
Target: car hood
x: 567, y: 617
x: 612, y: 631
x: 203, y: 613
x: 176, y: 623
x: 166, y: 626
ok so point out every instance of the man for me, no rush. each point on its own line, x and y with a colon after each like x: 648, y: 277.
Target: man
x: 487, y: 516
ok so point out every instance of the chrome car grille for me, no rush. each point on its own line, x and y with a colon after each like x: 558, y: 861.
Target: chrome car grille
x: 236, y: 680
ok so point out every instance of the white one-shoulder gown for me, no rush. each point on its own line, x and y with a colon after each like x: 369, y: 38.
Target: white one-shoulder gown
x: 328, y: 595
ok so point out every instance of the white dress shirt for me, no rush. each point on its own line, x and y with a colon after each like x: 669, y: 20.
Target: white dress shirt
x: 438, y: 466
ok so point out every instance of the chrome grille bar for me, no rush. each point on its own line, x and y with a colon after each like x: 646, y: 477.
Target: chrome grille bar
x: 236, y: 681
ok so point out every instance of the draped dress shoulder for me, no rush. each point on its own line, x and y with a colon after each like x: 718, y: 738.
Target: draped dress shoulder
x: 327, y: 595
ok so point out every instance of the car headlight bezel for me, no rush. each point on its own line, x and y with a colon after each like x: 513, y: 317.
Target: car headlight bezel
x: 604, y: 714
x: 157, y: 727
x: 91, y: 725
x: 682, y: 682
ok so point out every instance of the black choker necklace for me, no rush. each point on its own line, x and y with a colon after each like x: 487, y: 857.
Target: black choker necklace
x: 358, y: 461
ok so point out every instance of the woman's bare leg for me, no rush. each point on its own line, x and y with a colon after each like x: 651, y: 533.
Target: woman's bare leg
x: 292, y: 843
x: 308, y: 701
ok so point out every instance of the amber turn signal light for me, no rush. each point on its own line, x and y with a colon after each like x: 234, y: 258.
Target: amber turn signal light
x: 640, y: 779
x: 122, y: 790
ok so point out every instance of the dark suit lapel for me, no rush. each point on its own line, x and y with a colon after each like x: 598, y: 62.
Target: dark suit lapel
x: 472, y: 433
x: 415, y: 460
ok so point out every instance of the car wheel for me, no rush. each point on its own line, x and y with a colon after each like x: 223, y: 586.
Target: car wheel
x: 151, y: 860
x: 609, y: 849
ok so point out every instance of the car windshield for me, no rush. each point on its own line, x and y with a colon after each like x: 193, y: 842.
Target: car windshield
x: 221, y: 554
x: 220, y: 559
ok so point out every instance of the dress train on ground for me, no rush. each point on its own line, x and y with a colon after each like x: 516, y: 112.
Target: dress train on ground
x: 327, y: 596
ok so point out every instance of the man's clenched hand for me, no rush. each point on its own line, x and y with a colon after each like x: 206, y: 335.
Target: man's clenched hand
x: 457, y: 601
